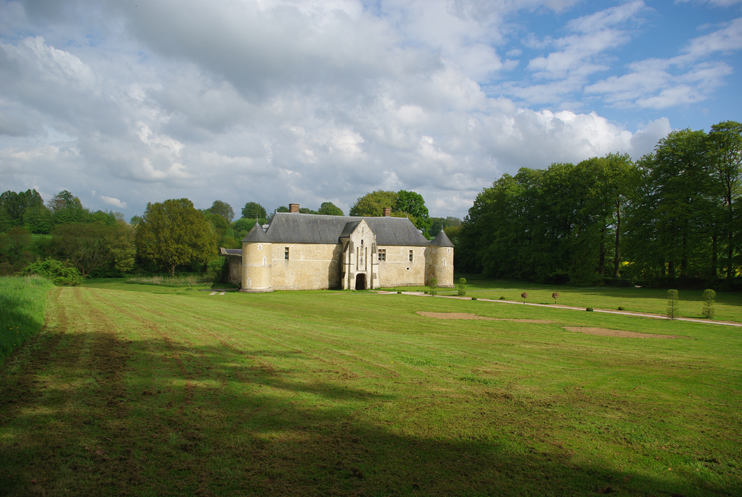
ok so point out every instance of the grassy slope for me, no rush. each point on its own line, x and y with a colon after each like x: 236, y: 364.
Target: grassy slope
x: 22, y: 306
x: 168, y: 392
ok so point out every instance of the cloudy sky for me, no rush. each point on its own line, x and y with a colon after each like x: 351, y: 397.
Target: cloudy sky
x: 125, y: 102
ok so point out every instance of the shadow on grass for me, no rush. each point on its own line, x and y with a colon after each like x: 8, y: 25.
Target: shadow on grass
x: 92, y: 414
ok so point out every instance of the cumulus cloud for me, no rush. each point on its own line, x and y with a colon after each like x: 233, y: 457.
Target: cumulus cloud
x: 281, y: 101
x: 112, y: 201
x: 684, y: 79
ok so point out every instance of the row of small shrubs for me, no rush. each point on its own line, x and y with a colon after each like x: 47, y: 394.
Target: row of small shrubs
x: 707, y: 311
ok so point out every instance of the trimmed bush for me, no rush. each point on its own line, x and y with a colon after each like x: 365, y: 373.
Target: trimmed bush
x: 589, y: 309
x: 474, y: 298
x: 620, y: 308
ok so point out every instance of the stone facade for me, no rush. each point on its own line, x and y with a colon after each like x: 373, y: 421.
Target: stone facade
x: 313, y: 252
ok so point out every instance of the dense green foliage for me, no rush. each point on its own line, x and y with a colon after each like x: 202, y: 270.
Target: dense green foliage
x: 95, y: 247
x: 223, y: 209
x: 22, y: 305
x: 402, y: 203
x: 253, y: 210
x: 329, y: 209
x: 173, y: 233
x: 671, y: 217
x: 59, y: 273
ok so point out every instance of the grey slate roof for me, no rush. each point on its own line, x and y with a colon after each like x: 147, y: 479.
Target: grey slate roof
x: 224, y: 251
x: 441, y: 240
x: 256, y: 235
x: 289, y: 227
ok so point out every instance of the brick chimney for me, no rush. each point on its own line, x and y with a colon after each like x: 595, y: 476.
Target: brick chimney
x: 294, y: 208
x: 387, y: 211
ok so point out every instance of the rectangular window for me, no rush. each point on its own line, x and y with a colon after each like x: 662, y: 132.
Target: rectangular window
x: 286, y: 254
x: 382, y: 255
x: 410, y: 255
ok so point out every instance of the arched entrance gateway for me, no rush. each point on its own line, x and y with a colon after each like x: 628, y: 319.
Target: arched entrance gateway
x: 361, y: 281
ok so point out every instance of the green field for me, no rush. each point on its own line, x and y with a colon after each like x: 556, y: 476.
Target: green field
x: 143, y: 390
x: 647, y: 300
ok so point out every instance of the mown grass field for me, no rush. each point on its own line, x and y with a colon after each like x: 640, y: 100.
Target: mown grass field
x: 647, y: 300
x: 139, y: 390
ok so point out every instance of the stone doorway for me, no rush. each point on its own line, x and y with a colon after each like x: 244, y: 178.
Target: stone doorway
x: 361, y: 281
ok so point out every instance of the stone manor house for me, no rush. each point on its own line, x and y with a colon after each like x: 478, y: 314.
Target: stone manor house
x: 313, y: 252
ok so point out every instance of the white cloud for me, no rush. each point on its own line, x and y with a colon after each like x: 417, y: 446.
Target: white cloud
x: 684, y: 79
x: 308, y: 101
x: 113, y: 202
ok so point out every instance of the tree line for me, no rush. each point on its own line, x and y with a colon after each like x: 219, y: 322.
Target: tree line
x: 169, y: 236
x: 672, y: 217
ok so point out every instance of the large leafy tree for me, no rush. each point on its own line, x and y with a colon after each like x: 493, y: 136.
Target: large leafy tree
x: 412, y: 203
x: 329, y: 209
x: 373, y: 204
x: 223, y: 209
x: 253, y: 210
x: 725, y: 147
x: 402, y: 203
x: 173, y: 233
x: 17, y: 205
x: 673, y: 217
x: 67, y: 208
x: 95, y: 246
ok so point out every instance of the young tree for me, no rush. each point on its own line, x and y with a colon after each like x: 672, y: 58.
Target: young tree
x: 524, y: 296
x: 708, y: 310
x: 223, y: 209
x: 555, y: 296
x: 253, y: 210
x: 462, y: 287
x: 174, y: 233
x: 672, y: 304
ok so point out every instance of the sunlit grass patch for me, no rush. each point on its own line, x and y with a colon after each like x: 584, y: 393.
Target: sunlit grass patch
x: 22, y: 307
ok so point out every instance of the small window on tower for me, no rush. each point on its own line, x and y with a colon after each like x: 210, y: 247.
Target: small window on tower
x: 410, y: 255
x: 286, y: 254
x: 382, y: 255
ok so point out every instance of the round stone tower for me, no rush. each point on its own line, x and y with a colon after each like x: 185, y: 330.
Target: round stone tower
x: 257, y: 262
x: 441, y: 260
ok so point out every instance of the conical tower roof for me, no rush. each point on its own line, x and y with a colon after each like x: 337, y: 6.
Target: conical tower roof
x: 256, y: 235
x: 441, y: 240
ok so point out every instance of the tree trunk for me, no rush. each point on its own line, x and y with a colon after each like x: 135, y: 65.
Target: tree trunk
x: 601, y: 256
x: 714, y: 255
x: 616, y: 258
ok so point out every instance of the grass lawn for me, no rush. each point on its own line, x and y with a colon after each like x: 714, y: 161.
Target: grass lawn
x: 649, y: 300
x: 143, y: 390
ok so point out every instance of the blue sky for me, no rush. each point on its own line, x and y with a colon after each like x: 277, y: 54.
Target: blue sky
x: 279, y: 101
